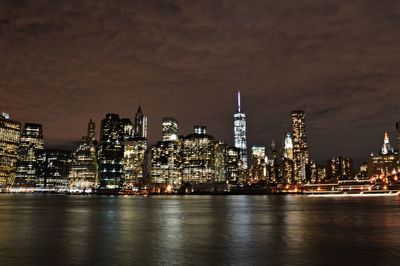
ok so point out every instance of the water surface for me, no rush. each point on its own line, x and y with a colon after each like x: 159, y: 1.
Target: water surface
x: 198, y: 230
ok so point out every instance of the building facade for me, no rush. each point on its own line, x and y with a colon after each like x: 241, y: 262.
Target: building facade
x: 300, y: 147
x: 240, y: 138
x: 10, y: 133
x: 29, y: 153
x: 111, y: 152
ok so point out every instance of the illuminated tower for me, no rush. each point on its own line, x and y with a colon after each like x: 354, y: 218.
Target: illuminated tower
x: 300, y: 148
x: 239, y: 127
x: 288, y: 149
x: 91, y: 131
x: 111, y: 152
x: 140, y: 124
x: 386, y: 148
x: 29, y: 150
x: 9, y: 140
x: 170, y: 129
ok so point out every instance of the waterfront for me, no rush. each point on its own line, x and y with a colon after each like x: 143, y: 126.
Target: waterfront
x: 202, y: 230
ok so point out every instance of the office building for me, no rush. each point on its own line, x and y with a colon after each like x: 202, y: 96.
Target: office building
x: 239, y: 128
x: 10, y: 133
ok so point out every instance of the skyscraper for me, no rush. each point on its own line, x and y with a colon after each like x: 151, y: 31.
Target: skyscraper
x: 198, y: 156
x: 258, y: 164
x: 300, y: 148
x: 10, y: 133
x: 84, y: 169
x: 91, y: 131
x: 29, y: 151
x: 140, y: 124
x: 288, y: 148
x: 239, y: 128
x: 170, y: 129
x: 111, y: 153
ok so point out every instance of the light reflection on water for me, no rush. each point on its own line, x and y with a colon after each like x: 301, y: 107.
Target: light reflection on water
x: 201, y: 230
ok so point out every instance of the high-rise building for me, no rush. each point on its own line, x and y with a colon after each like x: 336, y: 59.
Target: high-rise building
x: 258, y: 167
x: 239, y: 128
x: 54, y: 169
x: 166, y: 163
x: 111, y: 152
x: 232, y: 164
x: 84, y: 169
x: 288, y: 148
x: 198, y: 157
x: 300, y: 148
x: 170, y: 129
x: 140, y: 124
x: 91, y: 131
x: 10, y: 133
x: 29, y: 150
x: 384, y: 163
x: 340, y: 169
x: 134, y: 161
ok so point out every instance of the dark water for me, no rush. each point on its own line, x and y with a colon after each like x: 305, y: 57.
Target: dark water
x: 200, y: 230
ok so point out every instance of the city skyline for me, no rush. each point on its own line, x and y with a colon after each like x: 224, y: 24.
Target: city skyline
x: 54, y: 70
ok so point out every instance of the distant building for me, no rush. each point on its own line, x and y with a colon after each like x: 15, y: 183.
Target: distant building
x: 311, y: 172
x: 258, y: 168
x: 29, y: 150
x: 300, y: 147
x: 239, y: 126
x: 321, y: 173
x: 111, y: 152
x: 232, y: 164
x: 398, y: 136
x: 10, y: 133
x: 84, y: 168
x: 170, y: 129
x: 384, y: 163
x: 165, y: 157
x: 140, y: 124
x: 134, y: 161
x: 54, y: 169
x: 288, y: 147
x: 166, y: 163
x: 340, y: 169
x: 198, y: 157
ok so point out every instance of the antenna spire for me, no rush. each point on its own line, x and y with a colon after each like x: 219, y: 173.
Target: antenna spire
x: 239, y: 101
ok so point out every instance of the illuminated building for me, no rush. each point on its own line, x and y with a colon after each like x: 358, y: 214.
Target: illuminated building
x: 340, y: 169
x: 111, y: 152
x: 55, y: 171
x: 128, y: 128
x: 140, y: 124
x: 363, y: 171
x: 288, y: 148
x: 166, y: 163
x: 300, y: 148
x: 91, y: 132
x: 321, y: 173
x: 220, y: 150
x: 258, y: 168
x: 198, y: 157
x: 232, y: 164
x: 239, y: 126
x: 311, y: 172
x: 169, y: 129
x: 29, y: 150
x: 288, y: 171
x: 134, y: 161
x: 10, y: 133
x: 84, y: 169
x: 385, y: 162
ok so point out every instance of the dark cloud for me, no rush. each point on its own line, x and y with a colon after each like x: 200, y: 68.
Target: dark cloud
x: 64, y: 62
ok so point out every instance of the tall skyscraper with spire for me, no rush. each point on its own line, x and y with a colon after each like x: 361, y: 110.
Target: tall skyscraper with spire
x: 300, y: 148
x: 140, y: 124
x: 239, y: 128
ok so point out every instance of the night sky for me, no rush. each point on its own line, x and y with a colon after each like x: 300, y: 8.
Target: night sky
x: 63, y: 62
